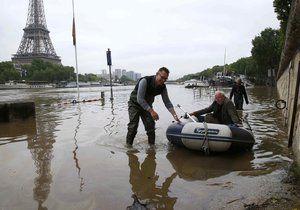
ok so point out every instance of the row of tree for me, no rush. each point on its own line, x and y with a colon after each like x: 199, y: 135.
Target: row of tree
x: 40, y: 70
x: 266, y: 51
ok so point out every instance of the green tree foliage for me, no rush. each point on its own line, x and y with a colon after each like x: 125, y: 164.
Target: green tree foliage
x: 210, y: 72
x: 266, y: 51
x: 207, y: 73
x: 8, y: 72
x: 102, y: 80
x: 82, y: 78
x: 88, y: 78
x: 92, y: 77
x: 40, y: 70
x: 126, y: 80
x: 282, y: 9
x: 244, y: 66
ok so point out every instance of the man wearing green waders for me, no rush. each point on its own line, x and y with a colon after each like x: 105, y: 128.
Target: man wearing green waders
x: 140, y: 104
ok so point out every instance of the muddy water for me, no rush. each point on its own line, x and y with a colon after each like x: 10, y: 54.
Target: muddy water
x: 74, y: 156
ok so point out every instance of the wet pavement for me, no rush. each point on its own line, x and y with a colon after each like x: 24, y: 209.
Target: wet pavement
x: 73, y: 156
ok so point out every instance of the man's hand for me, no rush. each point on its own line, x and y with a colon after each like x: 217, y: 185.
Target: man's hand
x: 154, y: 114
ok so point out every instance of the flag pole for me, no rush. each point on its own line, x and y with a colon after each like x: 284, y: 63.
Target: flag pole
x: 224, y: 69
x: 75, y: 47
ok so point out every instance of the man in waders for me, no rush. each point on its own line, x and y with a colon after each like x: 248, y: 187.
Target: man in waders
x: 239, y: 92
x: 140, y: 104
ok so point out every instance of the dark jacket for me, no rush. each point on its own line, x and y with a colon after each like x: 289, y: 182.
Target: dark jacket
x: 151, y: 91
x: 238, y: 91
x: 225, y: 113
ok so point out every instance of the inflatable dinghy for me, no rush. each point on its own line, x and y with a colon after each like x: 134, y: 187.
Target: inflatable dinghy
x: 196, y: 135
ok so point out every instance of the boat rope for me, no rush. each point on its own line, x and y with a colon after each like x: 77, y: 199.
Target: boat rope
x: 205, y: 144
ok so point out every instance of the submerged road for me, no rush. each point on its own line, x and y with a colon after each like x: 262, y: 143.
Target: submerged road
x: 73, y: 156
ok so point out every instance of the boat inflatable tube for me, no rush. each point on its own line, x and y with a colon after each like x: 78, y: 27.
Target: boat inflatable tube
x: 214, y: 137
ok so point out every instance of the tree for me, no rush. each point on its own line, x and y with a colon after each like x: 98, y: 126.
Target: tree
x: 282, y: 9
x: 6, y: 65
x: 40, y: 70
x: 92, y: 77
x: 266, y: 51
x: 125, y: 79
x: 244, y: 66
x: 8, y: 72
x: 207, y: 73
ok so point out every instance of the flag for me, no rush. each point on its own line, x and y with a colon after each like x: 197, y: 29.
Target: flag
x: 74, y: 32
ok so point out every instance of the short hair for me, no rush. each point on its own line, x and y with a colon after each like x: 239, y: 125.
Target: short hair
x: 219, y: 92
x: 164, y: 69
x: 238, y: 80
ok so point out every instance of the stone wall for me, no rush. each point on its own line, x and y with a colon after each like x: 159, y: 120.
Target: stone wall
x: 286, y: 86
x: 288, y: 78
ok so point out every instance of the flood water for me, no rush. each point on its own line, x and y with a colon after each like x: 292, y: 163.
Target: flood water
x: 73, y: 156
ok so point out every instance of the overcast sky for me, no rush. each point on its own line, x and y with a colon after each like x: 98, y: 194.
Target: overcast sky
x: 187, y: 36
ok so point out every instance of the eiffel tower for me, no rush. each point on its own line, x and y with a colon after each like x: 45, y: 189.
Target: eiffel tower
x: 36, y: 42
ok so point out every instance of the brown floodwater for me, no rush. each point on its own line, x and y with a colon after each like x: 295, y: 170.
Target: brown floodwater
x: 73, y: 156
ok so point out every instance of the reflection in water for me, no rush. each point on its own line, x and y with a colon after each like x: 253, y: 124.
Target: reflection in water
x: 110, y: 125
x: 39, y: 137
x: 143, y: 181
x: 41, y: 149
x: 102, y: 102
x: 271, y: 151
x: 192, y: 165
x: 17, y: 131
x: 76, y: 148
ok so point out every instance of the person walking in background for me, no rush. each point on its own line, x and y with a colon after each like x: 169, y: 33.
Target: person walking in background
x: 140, y: 104
x: 239, y: 92
x: 223, y: 111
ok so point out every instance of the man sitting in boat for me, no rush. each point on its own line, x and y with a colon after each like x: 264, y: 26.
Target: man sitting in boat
x: 223, y: 111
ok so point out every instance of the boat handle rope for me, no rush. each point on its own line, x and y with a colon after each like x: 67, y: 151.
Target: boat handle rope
x: 203, y: 146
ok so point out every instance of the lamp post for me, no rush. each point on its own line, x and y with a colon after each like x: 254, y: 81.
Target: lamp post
x: 108, y: 57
